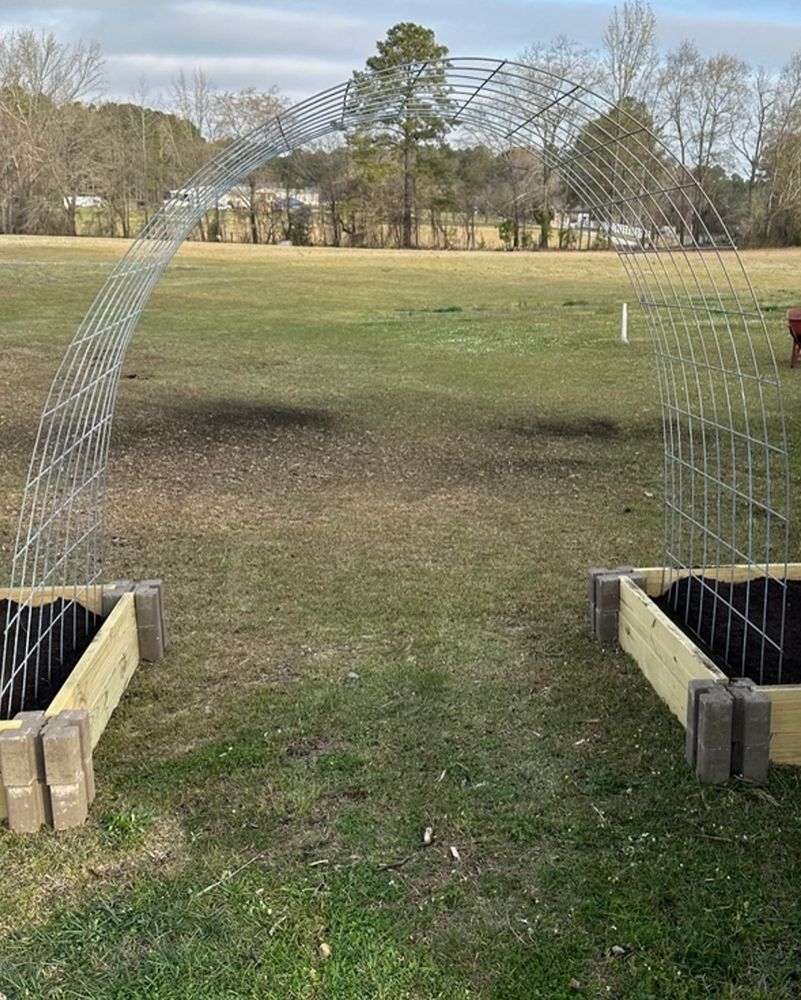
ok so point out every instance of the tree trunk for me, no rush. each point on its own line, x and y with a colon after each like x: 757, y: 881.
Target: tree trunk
x: 254, y: 225
x: 72, y: 228
x: 406, y: 231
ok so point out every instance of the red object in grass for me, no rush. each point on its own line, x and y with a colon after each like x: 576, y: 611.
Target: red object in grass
x: 794, y: 322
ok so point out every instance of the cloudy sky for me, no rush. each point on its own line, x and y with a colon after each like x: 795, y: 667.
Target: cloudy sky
x: 305, y: 46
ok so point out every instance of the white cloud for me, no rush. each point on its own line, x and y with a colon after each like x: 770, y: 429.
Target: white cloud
x: 303, y: 46
x: 295, y: 77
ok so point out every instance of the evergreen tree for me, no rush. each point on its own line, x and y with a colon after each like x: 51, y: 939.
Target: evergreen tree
x: 401, y: 102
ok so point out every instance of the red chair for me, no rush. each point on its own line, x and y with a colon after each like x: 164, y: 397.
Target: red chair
x: 794, y: 322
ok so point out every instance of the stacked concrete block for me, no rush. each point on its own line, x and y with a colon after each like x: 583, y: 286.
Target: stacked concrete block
x: 113, y: 593
x: 150, y: 617
x: 151, y: 627
x: 79, y: 718
x: 604, y: 594
x: 23, y: 775
x: 695, y: 689
x: 46, y: 770
x: 728, y: 730
x: 65, y: 753
x: 750, y: 731
x: 159, y: 586
x: 713, y: 736
x: 710, y: 717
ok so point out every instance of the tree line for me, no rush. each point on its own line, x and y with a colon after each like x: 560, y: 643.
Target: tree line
x: 73, y: 163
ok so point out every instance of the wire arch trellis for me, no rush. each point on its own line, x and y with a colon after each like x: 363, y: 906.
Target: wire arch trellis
x: 726, y: 467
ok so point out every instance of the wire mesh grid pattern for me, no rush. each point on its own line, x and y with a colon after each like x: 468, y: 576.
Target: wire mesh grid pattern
x: 726, y: 469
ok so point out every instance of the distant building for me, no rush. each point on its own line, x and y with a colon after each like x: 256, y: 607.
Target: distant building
x: 239, y: 197
x: 84, y: 201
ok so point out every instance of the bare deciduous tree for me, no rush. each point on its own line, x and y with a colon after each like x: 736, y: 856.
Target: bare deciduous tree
x: 194, y: 100
x: 776, y: 212
x: 701, y: 106
x: 234, y: 114
x: 629, y: 44
x: 557, y: 72
x: 41, y: 81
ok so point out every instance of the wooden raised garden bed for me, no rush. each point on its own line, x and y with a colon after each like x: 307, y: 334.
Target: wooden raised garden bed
x: 132, y: 629
x: 670, y: 660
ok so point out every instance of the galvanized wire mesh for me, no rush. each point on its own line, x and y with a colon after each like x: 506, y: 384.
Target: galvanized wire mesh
x: 726, y: 470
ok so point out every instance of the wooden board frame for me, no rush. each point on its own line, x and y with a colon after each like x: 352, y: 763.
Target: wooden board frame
x: 102, y: 674
x: 669, y: 659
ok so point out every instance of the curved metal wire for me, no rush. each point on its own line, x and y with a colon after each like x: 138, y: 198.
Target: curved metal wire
x: 726, y: 468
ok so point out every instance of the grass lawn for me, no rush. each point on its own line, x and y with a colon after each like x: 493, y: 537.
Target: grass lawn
x: 373, y: 483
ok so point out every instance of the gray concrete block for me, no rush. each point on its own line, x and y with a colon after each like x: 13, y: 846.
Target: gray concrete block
x: 751, y: 719
x: 607, y: 593
x: 606, y: 626
x: 694, y: 690
x: 638, y: 579
x: 752, y: 762
x: 112, y: 595
x: 603, y: 590
x: 592, y: 576
x: 159, y: 586
x: 148, y: 623
x: 715, y: 717
x: 713, y: 764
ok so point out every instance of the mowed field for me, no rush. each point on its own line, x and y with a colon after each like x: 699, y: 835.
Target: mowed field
x: 373, y: 483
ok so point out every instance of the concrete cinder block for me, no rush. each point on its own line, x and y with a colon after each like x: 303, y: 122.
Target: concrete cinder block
x: 63, y: 759
x: 606, y: 626
x: 28, y: 807
x: 69, y: 805
x: 21, y: 761
x: 750, y: 731
x: 713, y: 764
x: 603, y: 590
x: 607, y: 593
x: 695, y: 689
x: 112, y: 595
x: 23, y: 774
x: 715, y: 716
x: 159, y: 586
x: 32, y: 717
x: 592, y: 576
x: 713, y: 747
x: 18, y: 754
x: 148, y: 623
x: 752, y: 762
x: 80, y: 719
x: 751, y: 721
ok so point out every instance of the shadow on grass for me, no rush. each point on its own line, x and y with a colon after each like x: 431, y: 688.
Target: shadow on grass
x: 583, y: 428
x: 217, y: 421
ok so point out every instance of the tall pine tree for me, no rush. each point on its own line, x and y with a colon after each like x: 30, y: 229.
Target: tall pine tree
x: 401, y: 100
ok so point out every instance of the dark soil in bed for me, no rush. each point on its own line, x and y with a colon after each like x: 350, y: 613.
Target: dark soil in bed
x: 706, y: 619
x: 78, y: 628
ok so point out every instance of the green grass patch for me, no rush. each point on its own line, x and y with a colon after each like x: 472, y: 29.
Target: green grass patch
x: 373, y: 484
